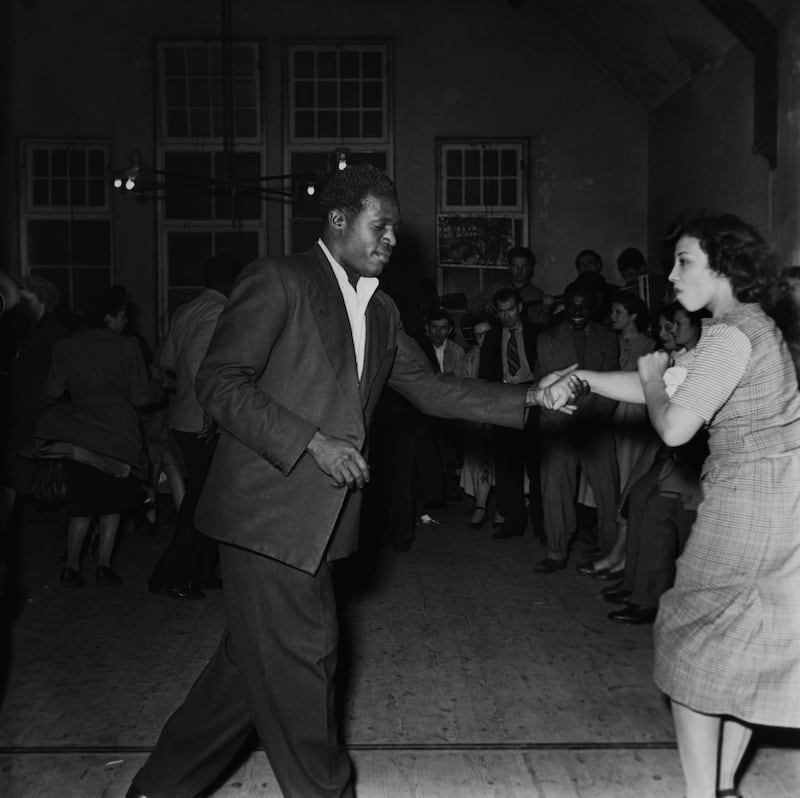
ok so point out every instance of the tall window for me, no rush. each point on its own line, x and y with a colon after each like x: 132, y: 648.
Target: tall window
x: 66, y: 233
x: 482, y: 210
x: 211, y: 158
x: 338, y: 100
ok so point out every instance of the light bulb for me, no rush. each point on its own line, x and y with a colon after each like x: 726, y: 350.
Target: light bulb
x: 311, y: 190
x: 342, y: 161
x: 117, y: 182
x: 130, y: 184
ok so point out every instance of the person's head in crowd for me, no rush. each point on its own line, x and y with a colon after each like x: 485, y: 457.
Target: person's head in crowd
x: 631, y: 264
x: 220, y: 272
x: 508, y: 307
x: 666, y: 329
x: 687, y: 327
x: 361, y: 219
x: 481, y: 326
x: 38, y: 296
x: 521, y: 262
x: 628, y: 311
x: 439, y: 325
x: 708, y: 247
x: 108, y: 308
x: 587, y: 260
x: 9, y: 293
x: 579, y: 304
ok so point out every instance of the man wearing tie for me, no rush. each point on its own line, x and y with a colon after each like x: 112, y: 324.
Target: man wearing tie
x: 508, y: 355
x: 292, y: 375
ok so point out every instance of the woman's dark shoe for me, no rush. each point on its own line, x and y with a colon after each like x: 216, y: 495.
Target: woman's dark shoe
x: 105, y: 576
x: 588, y: 569
x: 478, y: 518
x: 634, y: 615
x: 71, y: 578
x: 620, y: 596
x: 606, y: 574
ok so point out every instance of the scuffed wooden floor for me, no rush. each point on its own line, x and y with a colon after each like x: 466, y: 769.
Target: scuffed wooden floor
x: 465, y: 674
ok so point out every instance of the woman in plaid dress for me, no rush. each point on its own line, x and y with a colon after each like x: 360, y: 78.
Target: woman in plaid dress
x: 727, y: 636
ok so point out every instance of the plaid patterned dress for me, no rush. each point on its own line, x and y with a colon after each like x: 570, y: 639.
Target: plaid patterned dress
x: 727, y: 636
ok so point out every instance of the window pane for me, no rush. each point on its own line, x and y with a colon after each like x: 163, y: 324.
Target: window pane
x: 453, y: 163
x: 86, y: 282
x: 78, y: 192
x: 77, y: 163
x: 327, y: 95
x: 186, y: 253
x: 41, y: 192
x: 97, y: 163
x: 326, y: 64
x: 328, y: 122
x: 349, y: 94
x: 40, y: 160
x: 200, y: 123
x: 472, y: 192
x: 373, y: 125
x: 303, y: 64
x: 177, y: 124
x: 349, y: 65
x: 490, y: 192
x: 304, y: 124
x: 372, y: 65
x: 472, y: 163
x: 59, y: 193
x: 491, y: 163
x: 91, y: 242
x: 187, y: 178
x: 508, y: 192
x: 58, y: 162
x: 97, y: 193
x: 453, y: 194
x: 372, y: 93
x: 350, y: 124
x: 244, y: 124
x: 173, y: 61
x: 304, y: 94
x: 244, y: 60
x: 198, y: 92
x: 509, y: 162
x: 197, y: 60
x: 244, y: 93
x: 175, y: 91
x: 48, y: 241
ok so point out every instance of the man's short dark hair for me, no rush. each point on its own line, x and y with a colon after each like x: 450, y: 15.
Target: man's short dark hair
x: 347, y: 189
x: 630, y: 258
x: 505, y: 294
x: 438, y: 313
x: 580, y: 288
x: 521, y: 252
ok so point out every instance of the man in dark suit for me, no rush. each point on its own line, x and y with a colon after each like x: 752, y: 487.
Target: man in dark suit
x: 508, y: 355
x: 292, y: 374
x: 585, y: 442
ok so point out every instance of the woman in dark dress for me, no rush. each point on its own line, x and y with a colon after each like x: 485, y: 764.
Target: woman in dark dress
x: 97, y: 431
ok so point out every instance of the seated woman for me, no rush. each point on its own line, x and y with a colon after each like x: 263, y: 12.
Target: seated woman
x: 97, y: 431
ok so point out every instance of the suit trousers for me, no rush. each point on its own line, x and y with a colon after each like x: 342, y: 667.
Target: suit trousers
x: 516, y: 452
x: 274, y: 670
x: 562, y: 456
x: 658, y: 527
x: 191, y: 556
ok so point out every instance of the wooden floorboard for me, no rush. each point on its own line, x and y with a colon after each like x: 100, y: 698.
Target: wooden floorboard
x: 463, y: 674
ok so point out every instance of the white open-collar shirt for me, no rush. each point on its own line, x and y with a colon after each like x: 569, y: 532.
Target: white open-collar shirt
x: 355, y: 301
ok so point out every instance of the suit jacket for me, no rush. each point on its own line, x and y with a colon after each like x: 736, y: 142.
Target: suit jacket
x: 281, y: 366
x: 491, y: 363
x: 453, y: 355
x: 556, y: 350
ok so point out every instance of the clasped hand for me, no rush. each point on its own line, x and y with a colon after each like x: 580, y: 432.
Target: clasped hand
x: 559, y: 390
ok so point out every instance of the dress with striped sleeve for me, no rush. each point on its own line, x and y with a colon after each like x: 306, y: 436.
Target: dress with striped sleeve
x: 727, y: 636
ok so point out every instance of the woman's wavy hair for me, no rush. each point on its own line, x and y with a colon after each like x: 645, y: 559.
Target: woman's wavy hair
x: 735, y: 249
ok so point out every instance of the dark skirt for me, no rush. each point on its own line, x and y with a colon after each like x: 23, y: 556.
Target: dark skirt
x: 91, y: 492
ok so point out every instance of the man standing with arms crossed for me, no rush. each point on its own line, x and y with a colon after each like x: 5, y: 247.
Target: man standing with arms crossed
x: 292, y: 374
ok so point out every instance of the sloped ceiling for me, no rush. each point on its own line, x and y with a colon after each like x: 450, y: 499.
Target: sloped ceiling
x: 651, y: 47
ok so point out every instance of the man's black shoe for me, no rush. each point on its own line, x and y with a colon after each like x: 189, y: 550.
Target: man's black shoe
x: 549, y: 566
x: 634, y: 615
x: 187, y: 593
x: 620, y: 596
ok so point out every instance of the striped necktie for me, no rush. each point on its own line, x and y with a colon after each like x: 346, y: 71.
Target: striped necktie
x: 512, y: 354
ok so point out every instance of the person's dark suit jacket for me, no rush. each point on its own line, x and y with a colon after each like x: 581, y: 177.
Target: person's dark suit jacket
x: 491, y: 362
x: 280, y: 367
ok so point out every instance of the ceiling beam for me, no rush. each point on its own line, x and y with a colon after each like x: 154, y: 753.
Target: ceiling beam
x: 759, y: 35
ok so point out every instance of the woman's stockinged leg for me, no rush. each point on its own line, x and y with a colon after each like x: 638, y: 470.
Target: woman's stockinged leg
x: 736, y: 737
x: 698, y: 746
